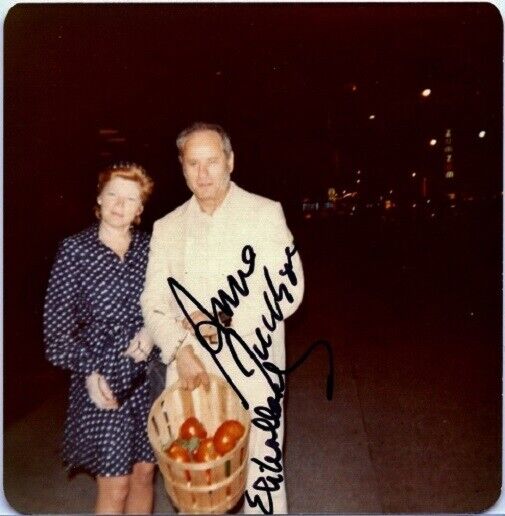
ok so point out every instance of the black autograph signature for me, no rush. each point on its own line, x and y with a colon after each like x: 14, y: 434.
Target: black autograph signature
x: 266, y: 418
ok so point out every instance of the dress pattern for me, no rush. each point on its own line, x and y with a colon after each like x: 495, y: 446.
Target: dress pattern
x: 91, y: 313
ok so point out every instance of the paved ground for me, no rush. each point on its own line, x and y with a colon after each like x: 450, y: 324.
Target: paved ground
x: 415, y: 423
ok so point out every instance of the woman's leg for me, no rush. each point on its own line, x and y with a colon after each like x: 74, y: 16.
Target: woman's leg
x: 112, y: 494
x: 141, y: 492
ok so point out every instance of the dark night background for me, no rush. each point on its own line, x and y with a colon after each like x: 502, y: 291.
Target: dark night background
x: 294, y: 85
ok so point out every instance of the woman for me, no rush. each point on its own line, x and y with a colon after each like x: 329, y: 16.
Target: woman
x: 93, y: 326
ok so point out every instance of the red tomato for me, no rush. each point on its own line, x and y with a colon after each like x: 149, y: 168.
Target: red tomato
x: 178, y: 453
x: 192, y: 428
x: 234, y: 428
x: 227, y: 435
x: 206, y: 451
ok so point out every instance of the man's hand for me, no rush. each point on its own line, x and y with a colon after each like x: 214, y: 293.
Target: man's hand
x: 191, y: 371
x: 140, y: 346
x: 206, y: 330
x: 100, y: 393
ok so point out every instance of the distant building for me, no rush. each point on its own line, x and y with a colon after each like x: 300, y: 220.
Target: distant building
x: 449, y: 173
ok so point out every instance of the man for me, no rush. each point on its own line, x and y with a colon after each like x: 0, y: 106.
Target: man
x: 226, y: 244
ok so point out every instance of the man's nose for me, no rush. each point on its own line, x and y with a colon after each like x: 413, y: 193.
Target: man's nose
x: 120, y: 201
x: 202, y: 169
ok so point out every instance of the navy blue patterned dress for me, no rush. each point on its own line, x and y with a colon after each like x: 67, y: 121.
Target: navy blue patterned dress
x: 91, y: 313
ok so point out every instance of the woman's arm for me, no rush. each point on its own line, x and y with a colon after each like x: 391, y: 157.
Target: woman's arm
x: 63, y: 346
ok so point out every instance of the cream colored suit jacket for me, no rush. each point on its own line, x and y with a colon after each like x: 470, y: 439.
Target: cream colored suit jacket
x: 243, y: 219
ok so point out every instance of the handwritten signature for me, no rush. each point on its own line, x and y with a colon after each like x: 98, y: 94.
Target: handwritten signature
x: 265, y: 417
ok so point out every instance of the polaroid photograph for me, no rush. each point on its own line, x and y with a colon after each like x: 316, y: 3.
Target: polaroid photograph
x: 252, y: 258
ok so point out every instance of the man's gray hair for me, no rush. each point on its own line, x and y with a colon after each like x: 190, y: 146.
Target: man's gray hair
x: 203, y: 126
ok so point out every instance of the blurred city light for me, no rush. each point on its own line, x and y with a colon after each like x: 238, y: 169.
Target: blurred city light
x: 413, y: 174
x: 482, y: 134
x: 426, y: 92
x: 433, y: 142
x: 371, y: 117
x: 107, y: 132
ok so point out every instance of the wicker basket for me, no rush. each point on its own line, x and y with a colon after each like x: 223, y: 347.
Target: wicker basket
x: 210, y: 487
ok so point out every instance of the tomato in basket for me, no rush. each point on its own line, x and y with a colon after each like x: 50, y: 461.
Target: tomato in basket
x: 206, y: 451
x: 227, y: 435
x: 192, y: 428
x: 234, y: 428
x: 178, y: 453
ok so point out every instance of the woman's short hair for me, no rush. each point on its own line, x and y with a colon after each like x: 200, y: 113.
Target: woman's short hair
x: 126, y: 170
x: 203, y: 126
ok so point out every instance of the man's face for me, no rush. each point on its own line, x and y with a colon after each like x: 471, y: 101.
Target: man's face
x: 206, y: 167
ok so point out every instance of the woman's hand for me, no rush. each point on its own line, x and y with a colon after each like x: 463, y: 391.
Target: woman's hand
x: 140, y: 346
x: 191, y: 371
x: 100, y: 393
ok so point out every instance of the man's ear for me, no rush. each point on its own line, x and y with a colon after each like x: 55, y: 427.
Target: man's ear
x: 231, y: 162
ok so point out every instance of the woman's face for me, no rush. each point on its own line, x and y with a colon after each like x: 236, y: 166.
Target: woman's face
x: 120, y: 202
